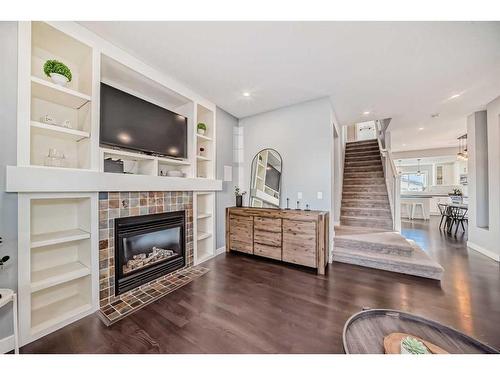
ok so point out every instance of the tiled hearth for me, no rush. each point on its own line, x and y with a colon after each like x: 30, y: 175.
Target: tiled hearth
x: 113, y: 205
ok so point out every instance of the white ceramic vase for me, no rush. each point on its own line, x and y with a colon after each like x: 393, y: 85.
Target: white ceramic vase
x: 201, y: 131
x: 59, y: 79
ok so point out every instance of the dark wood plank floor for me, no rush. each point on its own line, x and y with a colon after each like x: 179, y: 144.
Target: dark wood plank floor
x: 250, y: 305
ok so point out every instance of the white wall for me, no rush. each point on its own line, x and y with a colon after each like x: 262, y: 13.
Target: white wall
x: 303, y: 135
x: 224, y: 198
x: 8, y: 133
x: 485, y: 240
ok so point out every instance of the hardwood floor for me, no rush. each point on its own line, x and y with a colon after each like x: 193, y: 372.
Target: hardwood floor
x: 251, y: 305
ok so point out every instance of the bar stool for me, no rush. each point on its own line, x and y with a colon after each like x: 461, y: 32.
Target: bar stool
x: 415, y: 205
x: 8, y: 295
x: 408, y: 209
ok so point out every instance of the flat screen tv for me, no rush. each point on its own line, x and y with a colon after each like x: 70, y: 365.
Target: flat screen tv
x: 273, y: 177
x: 129, y: 122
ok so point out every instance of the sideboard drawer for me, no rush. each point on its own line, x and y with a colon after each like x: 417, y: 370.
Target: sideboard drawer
x: 267, y: 251
x: 267, y: 238
x: 244, y: 247
x: 241, y: 235
x: 299, y: 242
x: 267, y: 224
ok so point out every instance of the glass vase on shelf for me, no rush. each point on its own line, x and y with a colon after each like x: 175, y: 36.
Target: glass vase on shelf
x: 55, y: 158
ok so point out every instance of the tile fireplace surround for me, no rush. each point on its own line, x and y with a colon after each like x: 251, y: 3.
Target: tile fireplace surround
x: 125, y: 204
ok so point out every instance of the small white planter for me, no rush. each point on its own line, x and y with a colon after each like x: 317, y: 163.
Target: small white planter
x: 201, y: 131
x: 59, y: 79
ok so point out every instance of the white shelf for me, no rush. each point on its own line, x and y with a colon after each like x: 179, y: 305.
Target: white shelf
x: 57, y: 312
x: 57, y: 275
x: 204, y: 137
x: 51, y: 92
x: 54, y: 238
x: 58, y: 131
x: 203, y: 235
x: 163, y: 160
x: 203, y: 215
x: 202, y: 158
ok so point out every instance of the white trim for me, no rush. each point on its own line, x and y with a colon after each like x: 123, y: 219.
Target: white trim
x: 482, y: 250
x: 7, y: 344
x: 220, y: 250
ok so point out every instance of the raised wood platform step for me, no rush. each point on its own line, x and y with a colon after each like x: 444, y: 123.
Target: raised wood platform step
x: 418, y: 264
x: 363, y: 163
x: 371, y: 240
x: 372, y: 150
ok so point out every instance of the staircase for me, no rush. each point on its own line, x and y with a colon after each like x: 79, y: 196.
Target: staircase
x: 364, y: 198
x: 365, y: 236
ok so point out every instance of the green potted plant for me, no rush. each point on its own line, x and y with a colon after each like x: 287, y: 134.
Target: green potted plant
x: 456, y: 196
x: 239, y: 196
x: 201, y: 128
x: 58, y: 72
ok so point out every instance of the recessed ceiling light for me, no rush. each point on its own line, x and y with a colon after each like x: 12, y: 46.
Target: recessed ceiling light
x: 404, y: 144
x: 366, y: 113
x: 454, y: 96
x: 246, y: 94
x: 435, y: 115
x: 420, y: 128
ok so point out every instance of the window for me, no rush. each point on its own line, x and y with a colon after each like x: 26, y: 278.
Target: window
x: 413, y: 181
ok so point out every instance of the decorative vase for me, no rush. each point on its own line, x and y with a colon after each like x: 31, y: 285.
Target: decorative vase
x: 201, y: 131
x: 457, y: 199
x: 239, y: 201
x: 59, y: 79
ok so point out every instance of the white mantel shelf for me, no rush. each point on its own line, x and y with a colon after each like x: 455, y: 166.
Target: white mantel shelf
x: 43, y: 179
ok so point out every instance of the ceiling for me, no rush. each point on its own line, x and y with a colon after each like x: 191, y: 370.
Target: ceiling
x: 403, y: 70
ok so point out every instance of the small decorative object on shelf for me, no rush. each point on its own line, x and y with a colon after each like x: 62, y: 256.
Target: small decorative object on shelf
x: 58, y: 72
x: 410, y: 345
x: 201, y: 128
x: 239, y: 196
x: 55, y: 158
x: 307, y: 207
x: 201, y: 151
x: 298, y: 205
x: 287, y: 204
x: 3, y: 260
x: 456, y: 196
x: 66, y: 124
x: 48, y: 119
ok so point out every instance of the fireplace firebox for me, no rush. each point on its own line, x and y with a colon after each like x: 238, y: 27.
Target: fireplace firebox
x: 148, y: 247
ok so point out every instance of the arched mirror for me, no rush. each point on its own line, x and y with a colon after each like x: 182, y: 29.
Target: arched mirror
x: 265, y: 185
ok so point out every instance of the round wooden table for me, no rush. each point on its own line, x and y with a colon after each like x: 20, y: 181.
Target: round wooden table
x: 365, y: 331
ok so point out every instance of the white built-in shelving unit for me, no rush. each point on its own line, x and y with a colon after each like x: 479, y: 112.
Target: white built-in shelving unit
x: 58, y: 224
x: 204, y: 203
x: 57, y: 261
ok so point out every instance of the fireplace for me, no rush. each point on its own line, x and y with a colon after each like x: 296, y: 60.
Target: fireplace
x: 148, y: 247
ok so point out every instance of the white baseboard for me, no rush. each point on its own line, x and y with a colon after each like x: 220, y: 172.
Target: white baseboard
x: 220, y: 250
x: 482, y: 250
x: 7, y: 344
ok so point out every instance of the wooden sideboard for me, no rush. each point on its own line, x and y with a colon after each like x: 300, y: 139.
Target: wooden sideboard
x: 292, y: 236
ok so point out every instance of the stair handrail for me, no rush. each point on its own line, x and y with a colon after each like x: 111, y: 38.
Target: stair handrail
x: 392, y: 178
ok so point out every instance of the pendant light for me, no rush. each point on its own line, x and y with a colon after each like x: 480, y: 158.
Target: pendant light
x: 418, y: 168
x: 462, y: 148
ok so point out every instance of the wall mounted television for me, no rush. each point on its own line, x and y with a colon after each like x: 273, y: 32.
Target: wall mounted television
x: 129, y: 122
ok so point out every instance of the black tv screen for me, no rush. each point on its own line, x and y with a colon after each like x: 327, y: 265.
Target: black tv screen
x: 129, y: 122
x: 273, y: 177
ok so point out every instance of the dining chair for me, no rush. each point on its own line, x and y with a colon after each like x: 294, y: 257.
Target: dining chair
x: 443, y: 210
x: 460, y: 216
